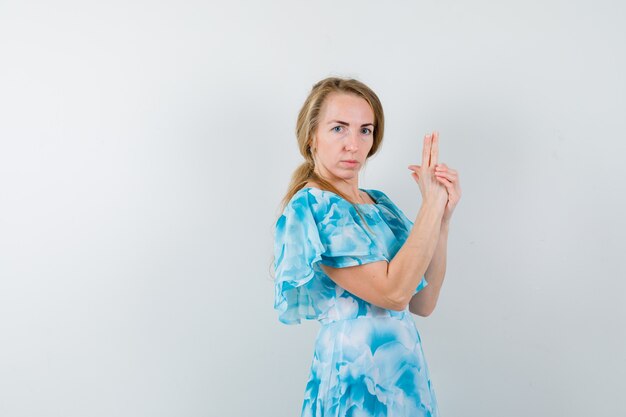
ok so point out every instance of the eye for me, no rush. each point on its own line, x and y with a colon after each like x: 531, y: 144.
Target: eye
x: 366, y: 131
x: 334, y: 129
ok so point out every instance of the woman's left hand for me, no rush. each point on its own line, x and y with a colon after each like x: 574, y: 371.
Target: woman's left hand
x: 450, y: 178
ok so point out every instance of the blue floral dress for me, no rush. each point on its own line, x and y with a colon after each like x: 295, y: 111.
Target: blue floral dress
x: 368, y: 361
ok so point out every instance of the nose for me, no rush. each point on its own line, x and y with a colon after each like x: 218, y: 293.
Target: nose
x: 352, y: 143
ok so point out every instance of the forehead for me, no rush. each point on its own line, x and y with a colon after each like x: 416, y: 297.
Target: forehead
x: 347, y: 107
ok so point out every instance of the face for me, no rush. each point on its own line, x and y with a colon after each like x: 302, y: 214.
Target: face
x: 344, y: 136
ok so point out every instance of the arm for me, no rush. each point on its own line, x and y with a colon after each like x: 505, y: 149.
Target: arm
x: 391, y: 284
x: 423, y: 303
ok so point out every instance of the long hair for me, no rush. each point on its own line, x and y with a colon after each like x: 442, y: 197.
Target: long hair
x: 308, y: 121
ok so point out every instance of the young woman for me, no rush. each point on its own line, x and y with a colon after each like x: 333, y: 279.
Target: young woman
x: 349, y: 258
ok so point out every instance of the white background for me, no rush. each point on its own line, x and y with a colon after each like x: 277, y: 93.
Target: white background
x: 144, y: 148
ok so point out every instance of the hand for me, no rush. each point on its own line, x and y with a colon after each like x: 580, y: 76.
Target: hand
x: 432, y: 189
x: 450, y: 179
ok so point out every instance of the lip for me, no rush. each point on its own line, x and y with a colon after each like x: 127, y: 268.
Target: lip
x: 350, y: 163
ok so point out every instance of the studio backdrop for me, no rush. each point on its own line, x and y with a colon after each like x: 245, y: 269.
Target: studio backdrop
x: 145, y: 147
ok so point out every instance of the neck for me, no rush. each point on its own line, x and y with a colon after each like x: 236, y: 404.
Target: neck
x: 351, y: 190
x: 349, y: 187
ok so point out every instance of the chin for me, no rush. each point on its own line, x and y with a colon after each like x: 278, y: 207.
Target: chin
x: 349, y: 175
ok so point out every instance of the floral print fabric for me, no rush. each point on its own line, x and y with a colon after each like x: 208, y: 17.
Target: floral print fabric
x: 368, y: 361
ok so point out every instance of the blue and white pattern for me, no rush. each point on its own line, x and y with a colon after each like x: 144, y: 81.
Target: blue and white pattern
x: 368, y: 361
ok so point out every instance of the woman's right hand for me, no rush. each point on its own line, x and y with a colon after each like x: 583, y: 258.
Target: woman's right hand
x: 433, y: 192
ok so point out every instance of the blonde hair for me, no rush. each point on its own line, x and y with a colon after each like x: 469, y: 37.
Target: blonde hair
x: 308, y: 121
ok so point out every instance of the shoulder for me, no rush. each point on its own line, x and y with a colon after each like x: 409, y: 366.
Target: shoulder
x: 318, y: 208
x: 307, y: 205
x: 319, y: 201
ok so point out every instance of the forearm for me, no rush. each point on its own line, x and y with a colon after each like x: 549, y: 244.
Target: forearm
x: 423, y: 303
x: 412, y: 260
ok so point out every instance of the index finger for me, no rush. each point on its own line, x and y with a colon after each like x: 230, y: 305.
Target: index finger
x: 426, y: 151
x: 434, y: 153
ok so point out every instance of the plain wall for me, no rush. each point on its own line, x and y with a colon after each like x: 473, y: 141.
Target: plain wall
x: 145, y: 146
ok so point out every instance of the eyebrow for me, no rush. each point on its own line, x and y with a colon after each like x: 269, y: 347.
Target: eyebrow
x: 348, y: 124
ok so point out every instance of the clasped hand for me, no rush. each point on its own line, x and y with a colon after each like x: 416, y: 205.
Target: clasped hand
x: 438, y: 183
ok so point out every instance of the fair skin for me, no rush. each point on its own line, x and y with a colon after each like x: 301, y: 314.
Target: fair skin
x: 345, y: 133
x: 423, y: 303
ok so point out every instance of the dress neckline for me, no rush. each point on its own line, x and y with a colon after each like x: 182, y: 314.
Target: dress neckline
x: 376, y: 201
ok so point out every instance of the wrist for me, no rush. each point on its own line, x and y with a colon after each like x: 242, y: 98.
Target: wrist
x: 434, y: 205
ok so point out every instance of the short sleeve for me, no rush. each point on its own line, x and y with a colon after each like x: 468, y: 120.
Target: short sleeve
x: 310, y: 232
x: 347, y: 241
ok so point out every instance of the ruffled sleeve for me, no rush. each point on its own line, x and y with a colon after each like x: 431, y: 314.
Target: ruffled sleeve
x: 347, y: 241
x: 313, y: 230
x: 297, y: 248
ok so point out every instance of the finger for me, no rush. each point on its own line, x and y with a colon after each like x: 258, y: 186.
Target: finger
x: 444, y: 167
x: 444, y: 180
x: 447, y: 175
x: 415, y: 170
x: 434, y: 152
x: 426, y: 150
x: 449, y: 186
x: 453, y: 194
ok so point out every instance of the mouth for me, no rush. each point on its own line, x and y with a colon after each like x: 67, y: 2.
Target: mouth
x: 350, y: 162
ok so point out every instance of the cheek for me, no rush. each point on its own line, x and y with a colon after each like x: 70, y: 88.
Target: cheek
x: 336, y: 146
x: 331, y: 150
